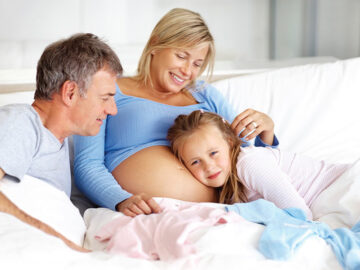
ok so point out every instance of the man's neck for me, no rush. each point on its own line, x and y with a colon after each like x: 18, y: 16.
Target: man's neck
x: 50, y: 114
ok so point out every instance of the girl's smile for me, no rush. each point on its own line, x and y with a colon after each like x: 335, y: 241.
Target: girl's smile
x: 206, y: 154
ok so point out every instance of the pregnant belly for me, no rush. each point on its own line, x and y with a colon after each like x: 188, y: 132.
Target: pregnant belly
x: 157, y: 172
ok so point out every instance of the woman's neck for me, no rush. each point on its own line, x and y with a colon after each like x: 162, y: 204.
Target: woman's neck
x: 132, y: 87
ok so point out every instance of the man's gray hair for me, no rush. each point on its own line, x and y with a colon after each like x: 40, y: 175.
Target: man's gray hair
x: 76, y: 59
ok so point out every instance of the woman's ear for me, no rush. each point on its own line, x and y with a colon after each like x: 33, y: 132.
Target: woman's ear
x: 68, y: 92
x: 153, y: 52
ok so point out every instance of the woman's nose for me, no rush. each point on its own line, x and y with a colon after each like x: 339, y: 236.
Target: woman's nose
x: 186, y: 68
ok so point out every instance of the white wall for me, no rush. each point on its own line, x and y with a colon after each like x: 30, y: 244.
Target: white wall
x: 241, y: 27
x: 316, y: 28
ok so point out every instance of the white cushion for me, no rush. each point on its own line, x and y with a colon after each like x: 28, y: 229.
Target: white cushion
x: 314, y: 107
x: 338, y: 205
x: 47, y: 204
x: 17, y: 97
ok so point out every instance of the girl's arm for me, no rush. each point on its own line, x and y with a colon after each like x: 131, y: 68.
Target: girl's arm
x: 260, y: 172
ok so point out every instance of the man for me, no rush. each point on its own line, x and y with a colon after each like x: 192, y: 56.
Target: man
x: 75, y: 88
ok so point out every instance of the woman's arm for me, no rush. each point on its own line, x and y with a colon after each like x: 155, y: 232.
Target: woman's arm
x: 91, y: 175
x: 251, y: 123
x: 242, y: 123
x: 98, y: 184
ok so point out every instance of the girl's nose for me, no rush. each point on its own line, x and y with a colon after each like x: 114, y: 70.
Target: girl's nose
x: 209, y: 165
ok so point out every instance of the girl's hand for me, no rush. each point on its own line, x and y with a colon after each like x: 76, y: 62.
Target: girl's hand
x: 258, y: 122
x: 137, y: 205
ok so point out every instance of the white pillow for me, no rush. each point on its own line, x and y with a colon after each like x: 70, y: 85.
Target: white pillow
x: 46, y: 203
x: 314, y: 107
x: 17, y: 97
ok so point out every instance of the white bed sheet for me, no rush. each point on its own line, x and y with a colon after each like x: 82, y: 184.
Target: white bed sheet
x: 222, y: 247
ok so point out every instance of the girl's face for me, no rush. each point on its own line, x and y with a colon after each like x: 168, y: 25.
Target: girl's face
x: 173, y: 69
x: 206, y: 154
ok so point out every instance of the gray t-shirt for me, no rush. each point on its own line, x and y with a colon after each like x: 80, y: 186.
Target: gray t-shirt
x: 27, y: 147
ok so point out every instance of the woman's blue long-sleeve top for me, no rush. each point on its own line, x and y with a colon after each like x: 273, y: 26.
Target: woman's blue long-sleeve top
x: 139, y: 123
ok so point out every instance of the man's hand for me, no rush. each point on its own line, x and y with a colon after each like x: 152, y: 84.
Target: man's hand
x: 137, y: 205
x: 2, y: 173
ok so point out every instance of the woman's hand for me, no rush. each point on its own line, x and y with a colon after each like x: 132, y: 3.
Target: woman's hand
x: 137, y: 205
x: 258, y: 122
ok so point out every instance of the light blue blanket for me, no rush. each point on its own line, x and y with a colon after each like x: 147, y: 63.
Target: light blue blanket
x: 287, y: 229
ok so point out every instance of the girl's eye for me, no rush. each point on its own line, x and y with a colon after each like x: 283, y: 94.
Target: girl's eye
x: 194, y: 162
x: 197, y: 64
x: 213, y: 153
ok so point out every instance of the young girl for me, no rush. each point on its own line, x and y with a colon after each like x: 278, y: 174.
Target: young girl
x: 210, y: 150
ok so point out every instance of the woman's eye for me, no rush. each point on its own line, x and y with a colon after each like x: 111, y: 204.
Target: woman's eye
x: 197, y: 65
x: 181, y: 56
x: 213, y: 153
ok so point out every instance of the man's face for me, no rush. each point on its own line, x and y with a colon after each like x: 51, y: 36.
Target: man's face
x: 90, y: 110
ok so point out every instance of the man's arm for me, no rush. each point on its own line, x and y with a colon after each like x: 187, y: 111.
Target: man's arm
x: 8, y: 207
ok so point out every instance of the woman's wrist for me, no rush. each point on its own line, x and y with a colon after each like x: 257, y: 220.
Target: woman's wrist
x: 267, y: 137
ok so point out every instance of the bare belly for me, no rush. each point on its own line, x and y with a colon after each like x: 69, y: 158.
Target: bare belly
x: 157, y: 172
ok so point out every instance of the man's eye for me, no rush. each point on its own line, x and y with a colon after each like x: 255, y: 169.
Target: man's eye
x: 105, y: 98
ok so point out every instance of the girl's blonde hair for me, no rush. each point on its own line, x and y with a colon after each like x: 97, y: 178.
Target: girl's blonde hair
x: 233, y: 190
x: 177, y: 29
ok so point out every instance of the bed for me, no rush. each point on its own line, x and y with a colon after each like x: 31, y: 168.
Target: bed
x: 315, y: 109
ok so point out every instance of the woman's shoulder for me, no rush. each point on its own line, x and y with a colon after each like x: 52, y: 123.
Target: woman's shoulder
x: 126, y: 84
x: 205, y: 89
x: 201, y: 85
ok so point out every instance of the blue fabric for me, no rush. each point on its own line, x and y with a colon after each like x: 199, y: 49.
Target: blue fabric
x: 287, y: 229
x: 139, y: 123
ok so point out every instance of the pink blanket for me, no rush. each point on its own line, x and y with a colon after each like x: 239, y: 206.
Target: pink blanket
x: 165, y: 236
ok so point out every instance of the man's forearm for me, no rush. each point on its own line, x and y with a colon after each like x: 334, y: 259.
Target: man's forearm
x: 8, y: 207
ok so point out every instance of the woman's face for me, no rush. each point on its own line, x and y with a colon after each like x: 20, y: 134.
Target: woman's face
x: 173, y: 69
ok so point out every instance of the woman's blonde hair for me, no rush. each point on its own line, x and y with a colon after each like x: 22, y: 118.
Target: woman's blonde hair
x: 177, y: 29
x: 233, y: 190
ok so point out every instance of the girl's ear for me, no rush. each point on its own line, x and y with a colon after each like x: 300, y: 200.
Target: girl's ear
x: 230, y: 142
